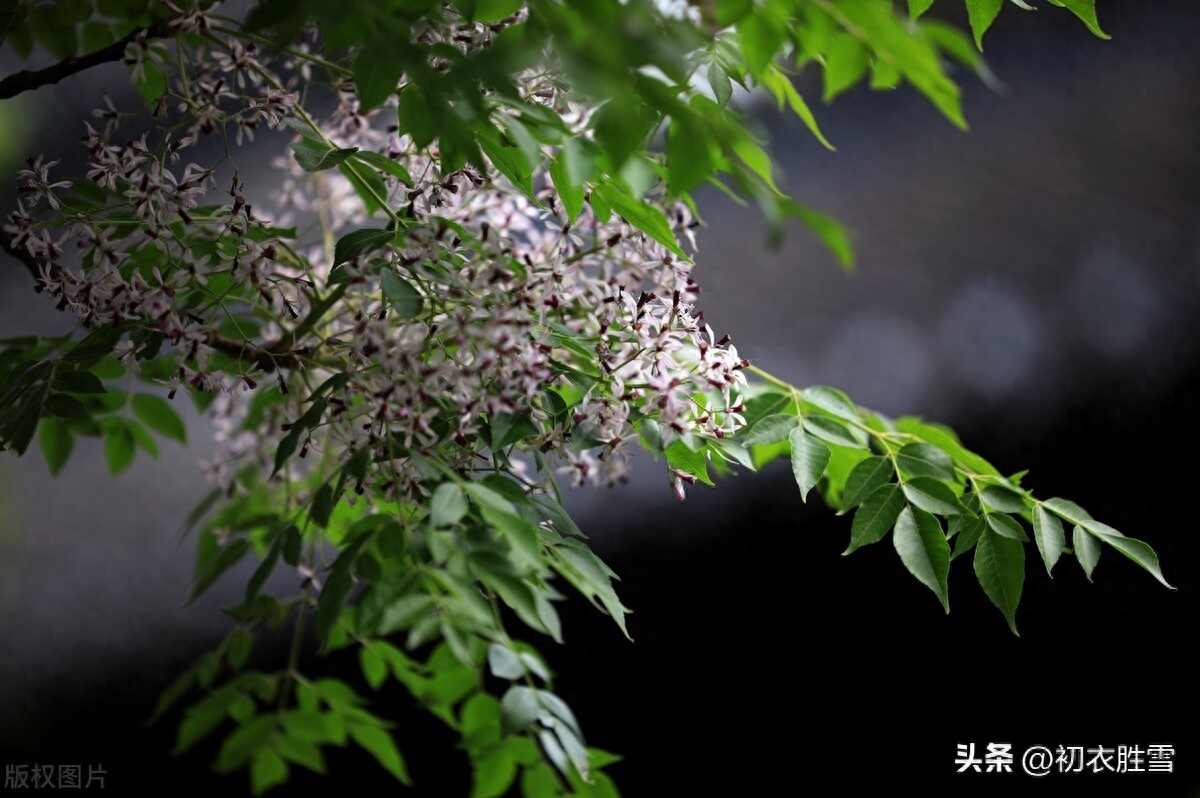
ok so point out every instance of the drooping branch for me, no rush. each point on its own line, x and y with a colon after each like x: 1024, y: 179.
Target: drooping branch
x: 28, y: 80
x: 24, y: 258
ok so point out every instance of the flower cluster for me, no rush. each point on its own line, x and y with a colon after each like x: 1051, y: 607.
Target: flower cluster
x: 580, y: 333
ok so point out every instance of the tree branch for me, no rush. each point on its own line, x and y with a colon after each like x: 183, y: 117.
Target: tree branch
x: 25, y: 259
x: 28, y: 80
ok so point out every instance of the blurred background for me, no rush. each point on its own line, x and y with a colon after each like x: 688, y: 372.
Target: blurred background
x: 1033, y: 282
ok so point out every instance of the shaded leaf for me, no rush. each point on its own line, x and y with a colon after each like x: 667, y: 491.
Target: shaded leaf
x: 810, y: 457
x: 447, y: 505
x: 644, y: 217
x: 833, y: 431
x: 875, y: 516
x: 1136, y: 550
x: 923, y: 549
x: 932, y: 495
x: 769, y: 429
x: 925, y: 460
x: 360, y: 242
x: 1003, y: 499
x: 867, y: 476
x: 1006, y: 526
x: 56, y: 443
x: 1049, y: 536
x: 405, y: 299
x: 380, y: 745
x: 157, y: 414
x: 1000, y: 568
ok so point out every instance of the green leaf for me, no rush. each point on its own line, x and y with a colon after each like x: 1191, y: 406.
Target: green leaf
x: 580, y: 566
x: 519, y: 709
x: 367, y: 184
x: 1006, y: 526
x: 360, y: 242
x: 832, y: 401
x: 486, y: 497
x: 1087, y: 550
x: 923, y: 549
x: 773, y: 428
x: 925, y: 460
x: 1003, y: 500
x: 834, y: 432
x: 303, y: 752
x: 202, y: 719
x: 77, y: 382
x: 981, y: 14
x: 316, y: 156
x: 569, y: 192
x: 56, y: 443
x: 157, y: 414
x: 875, y: 517
x: 918, y: 7
x: 832, y: 233
x: 1000, y: 568
x: 488, y: 11
x: 92, y: 348
x: 61, y: 405
x: 521, y: 535
x: 968, y: 535
x: 238, y: 647
x: 1086, y: 11
x: 845, y: 64
x: 504, y: 662
x: 405, y: 299
x: 154, y: 85
x: 118, y: 449
x: 416, y: 117
x: 689, y: 159
x: 493, y: 774
x: 264, y: 569
x: 867, y: 476
x: 761, y: 37
x: 380, y: 745
x: 210, y: 569
x: 447, y: 505
x: 931, y: 495
x: 403, y: 613
x: 1136, y: 550
x: 508, y: 159
x: 718, y: 80
x: 810, y: 457
x: 377, y: 73
x: 373, y: 667
x: 684, y: 459
x: 731, y: 11
x: 785, y: 92
x: 384, y: 164
x: 644, y: 217
x: 1067, y: 510
x: 1049, y: 536
x: 243, y: 743
x: 322, y: 506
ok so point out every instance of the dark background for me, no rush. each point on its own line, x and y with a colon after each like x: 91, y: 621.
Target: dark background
x: 1033, y: 282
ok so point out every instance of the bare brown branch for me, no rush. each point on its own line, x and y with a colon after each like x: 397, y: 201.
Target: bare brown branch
x: 28, y: 80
